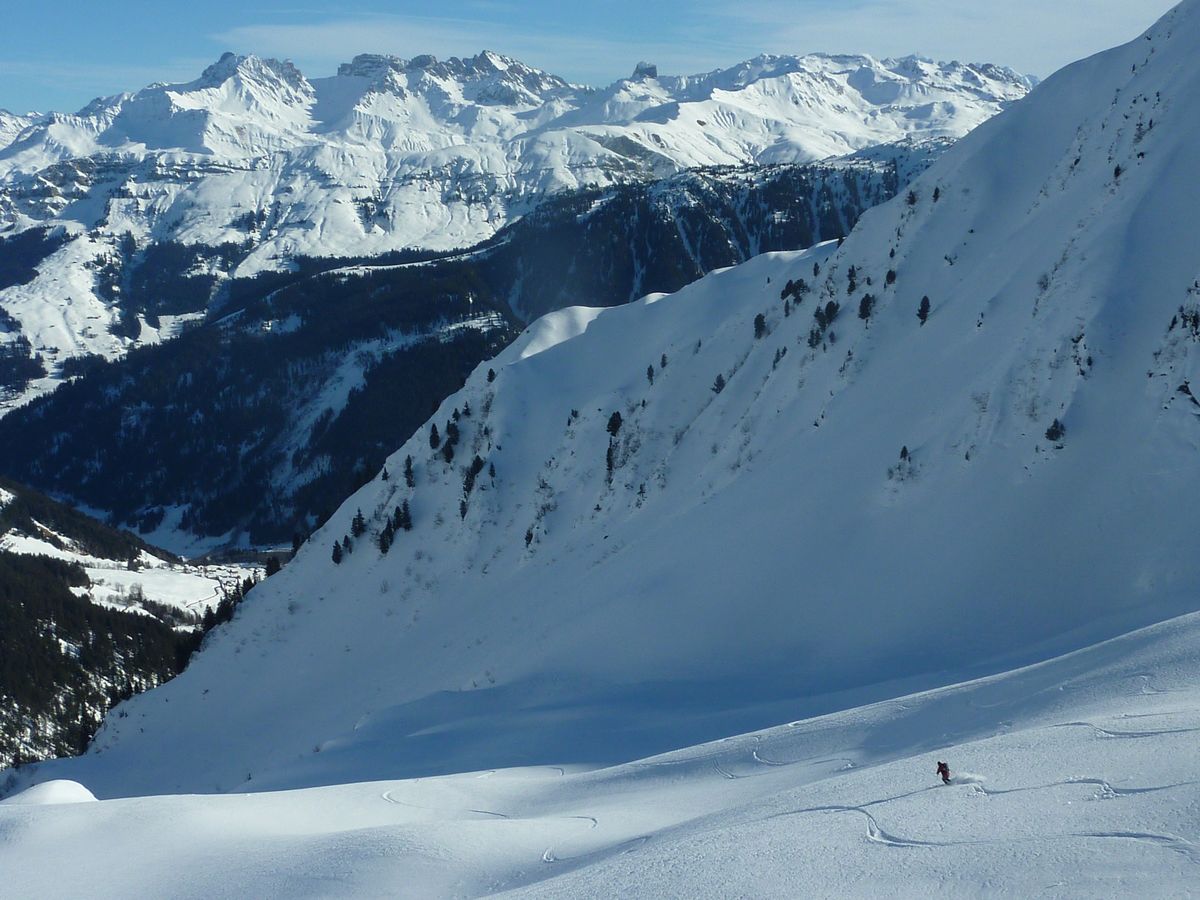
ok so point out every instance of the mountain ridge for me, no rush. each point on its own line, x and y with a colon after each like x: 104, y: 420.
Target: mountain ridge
x: 254, y: 166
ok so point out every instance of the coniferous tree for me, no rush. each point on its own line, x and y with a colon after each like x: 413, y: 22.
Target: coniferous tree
x: 409, y: 478
x: 337, y: 553
x: 273, y: 565
x: 385, y: 537
x: 471, y: 474
x: 434, y: 439
x: 403, y: 517
x: 448, y: 452
x: 923, y: 310
x: 890, y: 278
x: 1056, y: 431
x: 358, y: 524
x: 650, y: 375
x: 865, y: 306
x: 347, y: 546
x: 718, y: 384
x: 614, y: 424
x: 760, y: 326
x: 662, y: 363
x: 491, y: 376
x: 384, y: 474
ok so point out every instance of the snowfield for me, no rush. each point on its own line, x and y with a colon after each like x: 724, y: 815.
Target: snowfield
x: 926, y: 495
x: 1086, y: 784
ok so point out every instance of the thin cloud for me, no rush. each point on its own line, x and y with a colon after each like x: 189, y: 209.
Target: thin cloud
x: 100, y: 79
x: 1030, y: 35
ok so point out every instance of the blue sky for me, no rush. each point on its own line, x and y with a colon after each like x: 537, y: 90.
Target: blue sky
x: 59, y: 55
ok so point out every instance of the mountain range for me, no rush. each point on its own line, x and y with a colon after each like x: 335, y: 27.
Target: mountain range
x: 253, y: 165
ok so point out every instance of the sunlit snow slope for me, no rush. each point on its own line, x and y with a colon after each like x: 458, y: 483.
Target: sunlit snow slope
x: 1073, y: 778
x: 866, y: 505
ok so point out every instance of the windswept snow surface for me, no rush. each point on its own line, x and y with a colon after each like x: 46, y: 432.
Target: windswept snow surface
x: 1090, y: 786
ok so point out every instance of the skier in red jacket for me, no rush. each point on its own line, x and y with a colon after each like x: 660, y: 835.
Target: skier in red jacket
x: 944, y: 771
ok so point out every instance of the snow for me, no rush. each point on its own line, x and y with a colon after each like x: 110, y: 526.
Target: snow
x: 1089, y: 788
x: 51, y: 793
x: 393, y: 154
x: 189, y: 587
x: 764, y: 548
x: 870, y: 538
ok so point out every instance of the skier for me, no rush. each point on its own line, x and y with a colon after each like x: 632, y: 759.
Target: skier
x: 944, y: 771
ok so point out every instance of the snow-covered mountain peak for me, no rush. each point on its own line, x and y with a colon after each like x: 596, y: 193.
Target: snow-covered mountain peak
x: 485, y: 78
x: 393, y: 154
x: 644, y: 70
x: 249, y: 67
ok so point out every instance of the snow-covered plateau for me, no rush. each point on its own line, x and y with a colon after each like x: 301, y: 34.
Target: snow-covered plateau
x: 927, y: 494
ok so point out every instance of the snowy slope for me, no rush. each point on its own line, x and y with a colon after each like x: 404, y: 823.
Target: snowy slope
x: 878, y: 509
x: 258, y: 165
x: 348, y: 378
x: 1076, y: 777
x: 12, y: 125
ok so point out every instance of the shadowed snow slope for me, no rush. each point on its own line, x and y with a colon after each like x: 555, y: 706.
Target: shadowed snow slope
x: 1088, y: 787
x: 846, y: 505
